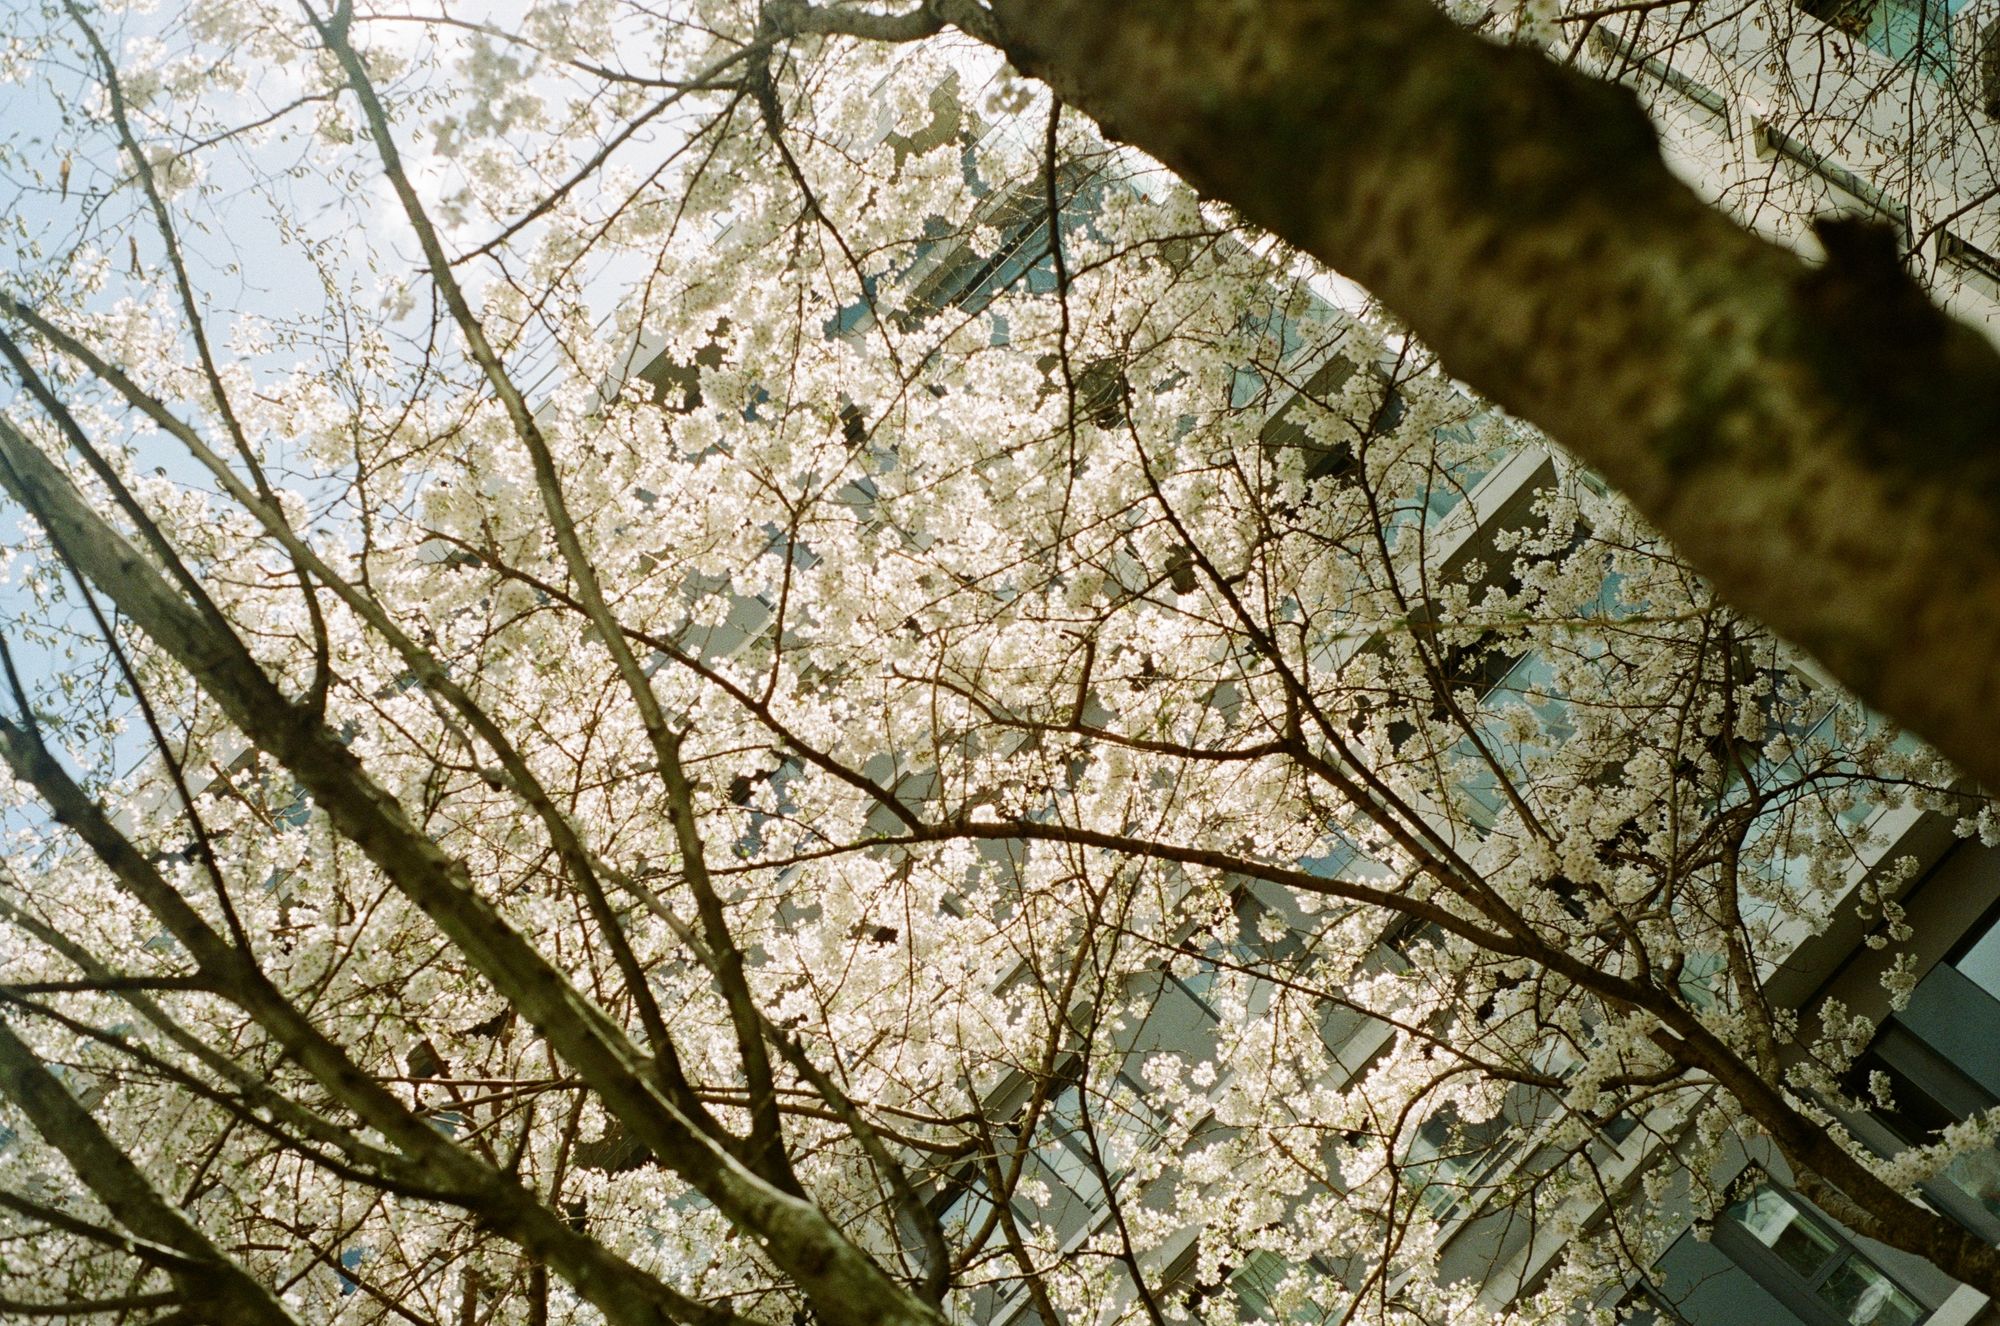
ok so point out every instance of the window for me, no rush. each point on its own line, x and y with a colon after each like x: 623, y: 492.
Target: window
x: 1837, y: 174
x: 1266, y: 1287
x: 1952, y: 1020
x: 1850, y: 16
x: 1966, y: 256
x: 1978, y: 960
x: 1061, y: 1186
x: 1284, y: 432
x: 1024, y: 257
x: 1103, y: 392
x: 1063, y: 1145
x: 1529, y: 685
x: 1918, y: 31
x: 1451, y: 1161
x: 350, y: 1260
x: 1989, y: 70
x: 1810, y: 725
x: 1660, y: 69
x: 1808, y: 1265
x: 1249, y: 938
x: 1259, y: 1285
x: 1940, y: 1056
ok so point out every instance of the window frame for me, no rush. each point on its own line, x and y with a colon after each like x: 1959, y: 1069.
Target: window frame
x: 1799, y: 1292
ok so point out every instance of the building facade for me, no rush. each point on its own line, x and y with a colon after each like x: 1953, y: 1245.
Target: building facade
x: 1878, y: 108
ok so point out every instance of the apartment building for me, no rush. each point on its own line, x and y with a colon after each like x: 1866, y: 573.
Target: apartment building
x: 1727, y: 89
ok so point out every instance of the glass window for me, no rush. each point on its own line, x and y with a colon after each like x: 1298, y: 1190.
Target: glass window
x: 1467, y: 451
x: 1927, y: 1093
x: 1660, y: 68
x: 1918, y: 30
x: 1980, y: 963
x: 1702, y: 978
x: 1978, y: 1174
x: 1067, y: 1150
x: 1835, y: 1278
x: 1785, y: 1230
x: 1914, y: 29
x: 1267, y: 1290
x: 1257, y: 1283
x: 1530, y: 685
x: 1647, y: 1306
x: 1866, y: 1297
x: 1250, y: 937
x: 350, y: 1260
x: 966, y: 1212
x: 1450, y: 1160
x: 966, y: 1204
x: 1124, y: 1124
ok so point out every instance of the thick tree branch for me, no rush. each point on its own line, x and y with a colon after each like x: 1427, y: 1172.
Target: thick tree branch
x: 765, y: 1153
x: 846, y: 1286
x: 570, y: 848
x: 620, y: 1290
x: 205, y: 1270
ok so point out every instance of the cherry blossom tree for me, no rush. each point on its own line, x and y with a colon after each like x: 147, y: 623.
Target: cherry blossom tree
x: 691, y: 669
